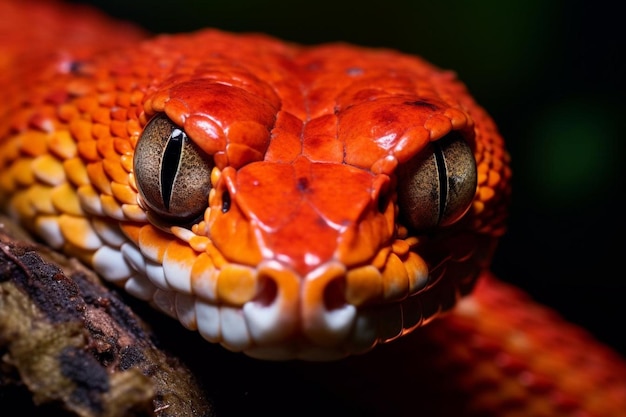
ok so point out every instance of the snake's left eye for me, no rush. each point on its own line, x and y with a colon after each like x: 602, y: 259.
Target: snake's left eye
x: 172, y: 173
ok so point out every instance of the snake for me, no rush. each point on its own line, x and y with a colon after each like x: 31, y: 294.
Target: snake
x: 282, y: 200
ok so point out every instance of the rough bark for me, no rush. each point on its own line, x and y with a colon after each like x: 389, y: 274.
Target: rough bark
x: 70, y: 346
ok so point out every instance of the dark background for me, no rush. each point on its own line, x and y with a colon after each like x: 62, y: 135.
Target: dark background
x: 551, y: 73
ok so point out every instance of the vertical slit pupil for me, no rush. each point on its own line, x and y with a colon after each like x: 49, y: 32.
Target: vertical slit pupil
x: 169, y: 165
x: 443, y: 179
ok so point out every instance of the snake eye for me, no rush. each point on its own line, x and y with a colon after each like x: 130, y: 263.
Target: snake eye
x: 436, y: 187
x: 172, y: 173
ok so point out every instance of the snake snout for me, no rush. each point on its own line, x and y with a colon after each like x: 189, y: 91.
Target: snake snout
x: 299, y: 316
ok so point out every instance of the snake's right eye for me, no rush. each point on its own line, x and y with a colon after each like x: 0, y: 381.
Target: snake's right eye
x: 437, y: 186
x: 172, y: 173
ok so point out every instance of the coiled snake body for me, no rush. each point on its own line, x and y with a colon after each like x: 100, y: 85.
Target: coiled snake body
x: 284, y: 201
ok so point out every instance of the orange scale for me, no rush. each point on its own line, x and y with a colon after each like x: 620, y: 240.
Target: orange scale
x: 497, y: 165
x: 482, y: 178
x: 157, y: 102
x: 119, y: 113
x: 123, y: 193
x: 204, y: 278
x: 65, y: 200
x: 89, y: 199
x: 364, y: 285
x: 395, y: 279
x: 438, y: 125
x: 250, y: 133
x: 98, y: 177
x: 236, y: 284
x: 400, y: 247
x: 33, y: 143
x: 323, y: 148
x: 7, y: 184
x: 385, y: 166
x: 81, y: 130
x: 111, y: 207
x: 100, y: 131
x: 494, y: 178
x: 21, y: 203
x: 62, y: 144
x: 40, y: 199
x: 78, y: 232
x: 153, y: 242
x: 124, y: 83
x: 114, y: 170
x: 178, y: 261
x: 131, y: 231
x: 285, y: 144
x: 199, y: 243
x: 79, y: 87
x: 21, y: 172
x: 457, y: 117
x: 9, y: 151
x: 410, y: 143
x: 19, y: 120
x: 207, y: 134
x: 106, y: 147
x: 101, y: 115
x: 134, y: 213
x: 88, y: 150
x: 134, y: 129
x: 67, y: 112
x: 87, y: 104
x: 105, y: 84
x: 48, y: 170
x: 177, y: 110
x: 118, y: 129
x: 123, y: 100
x: 137, y: 97
x: 483, y: 168
x: 486, y: 193
x: 417, y: 271
x: 127, y: 159
x: 239, y: 155
x: 107, y: 99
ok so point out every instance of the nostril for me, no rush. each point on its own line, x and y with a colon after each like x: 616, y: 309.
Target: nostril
x: 334, y: 294
x: 272, y: 315
x: 268, y: 291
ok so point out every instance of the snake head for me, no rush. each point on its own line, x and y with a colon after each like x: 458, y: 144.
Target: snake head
x: 284, y: 201
x: 298, y: 229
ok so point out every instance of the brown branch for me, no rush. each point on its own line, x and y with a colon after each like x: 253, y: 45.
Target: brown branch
x: 72, y: 346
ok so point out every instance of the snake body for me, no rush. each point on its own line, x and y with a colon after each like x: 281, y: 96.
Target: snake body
x: 286, y: 201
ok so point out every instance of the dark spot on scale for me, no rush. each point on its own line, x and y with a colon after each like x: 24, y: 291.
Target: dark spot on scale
x: 75, y: 66
x: 303, y: 184
x: 421, y: 103
x: 225, y: 202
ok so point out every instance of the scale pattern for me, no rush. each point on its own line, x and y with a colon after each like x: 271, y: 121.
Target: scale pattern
x: 302, y: 250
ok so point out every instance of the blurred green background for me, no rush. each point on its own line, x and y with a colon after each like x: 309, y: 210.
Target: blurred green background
x: 551, y: 73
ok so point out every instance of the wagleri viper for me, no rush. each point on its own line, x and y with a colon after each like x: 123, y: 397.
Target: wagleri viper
x: 286, y: 201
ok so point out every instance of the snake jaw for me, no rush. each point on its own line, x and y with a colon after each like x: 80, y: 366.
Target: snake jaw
x: 273, y: 312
